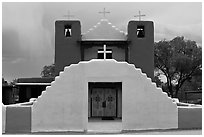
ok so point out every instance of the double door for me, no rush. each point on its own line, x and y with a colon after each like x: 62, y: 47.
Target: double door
x: 103, y: 102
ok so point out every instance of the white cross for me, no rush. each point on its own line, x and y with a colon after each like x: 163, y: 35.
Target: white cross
x: 139, y: 16
x: 104, y: 51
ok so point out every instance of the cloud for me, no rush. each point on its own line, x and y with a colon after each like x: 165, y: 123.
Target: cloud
x: 168, y: 31
x: 26, y: 43
x: 18, y: 60
x: 11, y: 48
x: 26, y: 19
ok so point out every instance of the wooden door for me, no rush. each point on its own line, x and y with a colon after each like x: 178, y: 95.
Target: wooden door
x: 110, y: 99
x: 103, y: 102
x: 97, y: 99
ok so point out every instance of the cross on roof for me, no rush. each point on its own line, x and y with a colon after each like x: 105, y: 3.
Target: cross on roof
x: 104, y: 12
x: 104, y: 51
x: 139, y: 16
x: 68, y: 15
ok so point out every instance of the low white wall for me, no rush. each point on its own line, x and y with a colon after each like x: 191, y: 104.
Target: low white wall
x: 3, y: 118
x: 64, y: 105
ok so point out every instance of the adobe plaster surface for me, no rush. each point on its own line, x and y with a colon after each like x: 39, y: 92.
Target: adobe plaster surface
x: 64, y: 104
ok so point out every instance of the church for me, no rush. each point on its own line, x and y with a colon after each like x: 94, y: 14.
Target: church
x: 103, y: 75
x: 105, y: 41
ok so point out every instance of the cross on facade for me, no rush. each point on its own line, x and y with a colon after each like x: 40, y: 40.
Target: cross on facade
x: 139, y: 16
x: 68, y: 15
x: 103, y: 12
x: 104, y: 51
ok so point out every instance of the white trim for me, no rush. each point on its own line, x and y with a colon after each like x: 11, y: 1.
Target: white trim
x: 33, y: 84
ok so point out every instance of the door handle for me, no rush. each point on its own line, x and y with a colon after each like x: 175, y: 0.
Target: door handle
x: 104, y: 104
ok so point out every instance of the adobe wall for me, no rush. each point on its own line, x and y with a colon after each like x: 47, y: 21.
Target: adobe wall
x: 3, y: 118
x: 189, y: 117
x: 18, y: 119
x: 64, y: 105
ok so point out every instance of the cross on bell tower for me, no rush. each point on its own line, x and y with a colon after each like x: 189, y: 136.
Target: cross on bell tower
x: 68, y: 15
x: 104, y: 12
x: 139, y: 16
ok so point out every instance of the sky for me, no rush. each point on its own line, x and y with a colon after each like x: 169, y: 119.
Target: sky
x: 28, y: 30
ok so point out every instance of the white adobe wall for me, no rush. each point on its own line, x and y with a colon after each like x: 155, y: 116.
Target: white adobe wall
x: 3, y: 118
x: 144, y: 105
x: 64, y: 104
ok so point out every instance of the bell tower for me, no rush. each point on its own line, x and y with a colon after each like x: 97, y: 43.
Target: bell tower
x: 141, y: 47
x: 67, y: 47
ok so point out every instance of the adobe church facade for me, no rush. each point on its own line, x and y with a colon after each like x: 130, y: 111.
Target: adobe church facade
x: 103, y: 74
x: 135, y: 47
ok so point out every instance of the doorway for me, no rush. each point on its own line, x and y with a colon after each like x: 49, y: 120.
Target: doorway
x: 105, y: 100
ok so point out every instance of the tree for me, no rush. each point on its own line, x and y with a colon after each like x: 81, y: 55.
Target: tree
x: 193, y: 84
x: 178, y: 60
x: 158, y: 80
x: 48, y: 71
x: 13, y: 82
x: 4, y: 82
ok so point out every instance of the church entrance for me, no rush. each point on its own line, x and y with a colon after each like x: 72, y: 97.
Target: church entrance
x: 105, y: 100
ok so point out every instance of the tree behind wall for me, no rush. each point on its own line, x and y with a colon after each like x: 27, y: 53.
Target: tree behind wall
x: 178, y: 60
x: 4, y: 82
x: 48, y: 71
